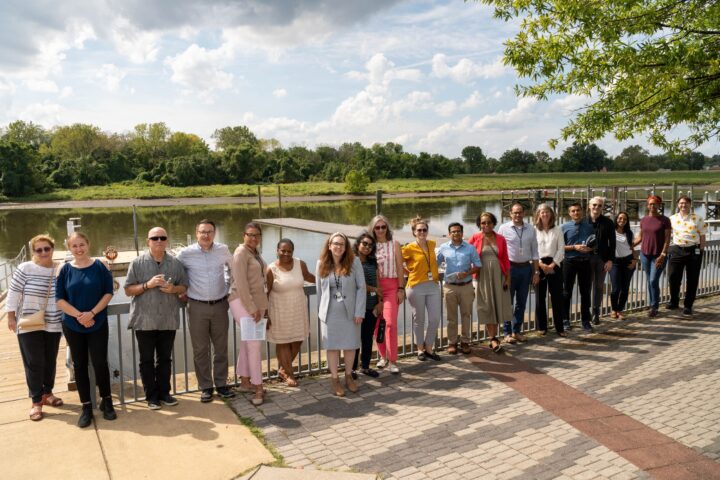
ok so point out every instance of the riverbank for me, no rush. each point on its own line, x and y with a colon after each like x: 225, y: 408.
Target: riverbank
x: 127, y: 194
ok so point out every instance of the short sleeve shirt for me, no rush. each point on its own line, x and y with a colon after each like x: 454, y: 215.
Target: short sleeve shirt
x: 686, y: 231
x: 83, y: 288
x: 653, y: 233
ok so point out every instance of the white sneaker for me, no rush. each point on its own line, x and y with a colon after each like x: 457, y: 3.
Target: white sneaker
x: 381, y: 363
x: 394, y: 368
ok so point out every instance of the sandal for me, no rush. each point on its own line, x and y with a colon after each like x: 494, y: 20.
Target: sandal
x: 562, y: 334
x: 495, y: 345
x: 51, y: 400
x: 291, y: 381
x: 36, y: 412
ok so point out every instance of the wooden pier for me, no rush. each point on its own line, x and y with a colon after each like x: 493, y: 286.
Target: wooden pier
x: 351, y: 231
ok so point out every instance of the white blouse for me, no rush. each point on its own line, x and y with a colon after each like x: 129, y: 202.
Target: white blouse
x: 622, y: 248
x: 551, y: 243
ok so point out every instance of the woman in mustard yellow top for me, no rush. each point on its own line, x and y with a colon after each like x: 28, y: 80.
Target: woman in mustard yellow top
x: 422, y: 287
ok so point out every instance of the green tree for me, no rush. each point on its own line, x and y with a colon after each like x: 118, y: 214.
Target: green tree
x: 581, y: 157
x: 149, y: 141
x: 356, y: 182
x: 475, y: 160
x: 18, y: 169
x: 516, y: 161
x: 227, y: 137
x: 634, y: 158
x: 646, y: 66
x: 184, y: 144
x: 77, y: 140
x: 26, y: 132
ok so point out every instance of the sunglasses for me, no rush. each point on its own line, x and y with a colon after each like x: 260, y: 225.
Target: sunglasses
x: 43, y: 249
x: 421, y: 230
x: 367, y: 244
x: 380, y: 227
x: 160, y: 238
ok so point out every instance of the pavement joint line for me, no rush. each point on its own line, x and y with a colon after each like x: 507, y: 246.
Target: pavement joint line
x: 605, y: 428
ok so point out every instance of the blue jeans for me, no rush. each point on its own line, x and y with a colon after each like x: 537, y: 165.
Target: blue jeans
x: 653, y: 278
x: 520, y: 278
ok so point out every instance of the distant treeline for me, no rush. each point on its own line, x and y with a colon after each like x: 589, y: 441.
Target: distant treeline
x: 36, y: 160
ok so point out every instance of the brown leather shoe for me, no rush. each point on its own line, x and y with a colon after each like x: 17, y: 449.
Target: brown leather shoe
x: 337, y: 388
x: 452, y: 349
x: 465, y: 347
x: 350, y: 383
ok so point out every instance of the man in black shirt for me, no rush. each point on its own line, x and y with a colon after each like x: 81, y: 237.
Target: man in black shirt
x: 601, y: 261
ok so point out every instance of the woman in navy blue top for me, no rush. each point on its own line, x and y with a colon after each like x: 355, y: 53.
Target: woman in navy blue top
x: 84, y: 289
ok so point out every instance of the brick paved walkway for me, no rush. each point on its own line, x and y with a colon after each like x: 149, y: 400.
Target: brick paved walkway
x: 485, y: 417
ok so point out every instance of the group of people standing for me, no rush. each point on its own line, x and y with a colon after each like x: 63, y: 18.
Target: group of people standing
x: 359, y: 289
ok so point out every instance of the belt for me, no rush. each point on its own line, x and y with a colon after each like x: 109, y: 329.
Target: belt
x: 458, y: 283
x: 210, y: 302
x: 687, y: 247
x: 519, y: 264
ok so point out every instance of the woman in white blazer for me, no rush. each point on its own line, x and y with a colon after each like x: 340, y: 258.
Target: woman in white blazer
x: 340, y: 286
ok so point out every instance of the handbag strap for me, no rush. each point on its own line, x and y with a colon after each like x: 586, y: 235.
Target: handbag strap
x: 47, y: 295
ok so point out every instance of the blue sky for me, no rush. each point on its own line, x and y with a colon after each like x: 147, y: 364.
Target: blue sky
x: 426, y: 74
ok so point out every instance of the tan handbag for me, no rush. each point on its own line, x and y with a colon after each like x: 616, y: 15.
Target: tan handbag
x: 34, y: 321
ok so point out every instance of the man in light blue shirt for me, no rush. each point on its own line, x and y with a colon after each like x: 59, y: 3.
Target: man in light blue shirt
x: 523, y: 252
x: 207, y: 264
x: 461, y: 262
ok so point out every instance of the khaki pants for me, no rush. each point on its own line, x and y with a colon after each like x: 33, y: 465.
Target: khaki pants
x: 461, y: 296
x: 209, y: 327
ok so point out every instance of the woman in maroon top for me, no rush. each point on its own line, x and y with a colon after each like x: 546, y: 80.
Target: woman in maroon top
x: 654, y: 238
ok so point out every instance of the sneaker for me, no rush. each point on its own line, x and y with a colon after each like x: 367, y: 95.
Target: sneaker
x: 354, y: 375
x: 86, y: 416
x: 510, y: 339
x: 370, y: 372
x: 518, y: 337
x: 225, y: 392
x: 596, y: 319
x: 106, y: 406
x: 671, y: 307
x: 566, y: 325
x: 588, y: 328
x: 465, y: 347
x: 381, y: 363
x: 687, y: 311
x: 168, y: 400
x: 154, y: 405
x: 206, y: 395
x: 421, y: 356
x: 394, y: 368
x: 652, y: 313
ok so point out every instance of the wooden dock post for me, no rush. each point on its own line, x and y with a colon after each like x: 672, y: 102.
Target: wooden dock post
x: 378, y: 201
x: 280, y: 201
x: 674, y: 194
x: 259, y: 198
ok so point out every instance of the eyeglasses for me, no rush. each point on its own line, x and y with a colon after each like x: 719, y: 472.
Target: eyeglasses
x: 485, y: 223
x: 43, y: 249
x: 253, y: 235
x: 159, y: 238
x: 337, y: 244
x: 421, y: 230
x: 203, y: 232
x: 367, y: 244
x: 380, y: 227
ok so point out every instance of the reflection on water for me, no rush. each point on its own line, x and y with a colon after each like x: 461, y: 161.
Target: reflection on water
x: 114, y: 226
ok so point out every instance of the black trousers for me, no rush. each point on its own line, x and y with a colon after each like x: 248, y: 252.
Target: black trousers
x: 39, y: 352
x: 577, y: 268
x: 554, y: 283
x: 683, y: 259
x: 91, y: 346
x: 367, y: 330
x: 155, y: 345
x: 620, y: 277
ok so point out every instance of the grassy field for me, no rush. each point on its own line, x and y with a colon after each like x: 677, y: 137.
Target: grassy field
x: 473, y: 183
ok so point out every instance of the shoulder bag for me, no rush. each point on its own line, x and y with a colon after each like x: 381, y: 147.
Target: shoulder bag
x: 34, y: 321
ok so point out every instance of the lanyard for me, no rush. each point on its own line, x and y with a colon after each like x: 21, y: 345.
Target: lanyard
x: 427, y: 257
x: 338, y: 282
x: 519, y: 235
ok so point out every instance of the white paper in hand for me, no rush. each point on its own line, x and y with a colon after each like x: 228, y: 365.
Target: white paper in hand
x: 249, y: 330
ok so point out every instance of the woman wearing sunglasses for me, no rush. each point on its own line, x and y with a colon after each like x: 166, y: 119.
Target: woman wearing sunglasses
x: 32, y: 289
x: 364, y: 248
x: 84, y: 289
x: 423, y: 288
x: 392, y: 284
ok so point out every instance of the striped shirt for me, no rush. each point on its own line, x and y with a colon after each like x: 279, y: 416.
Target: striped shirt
x: 29, y: 285
x: 385, y: 254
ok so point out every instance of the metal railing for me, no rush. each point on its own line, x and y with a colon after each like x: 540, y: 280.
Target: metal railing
x: 7, y: 268
x: 124, y: 358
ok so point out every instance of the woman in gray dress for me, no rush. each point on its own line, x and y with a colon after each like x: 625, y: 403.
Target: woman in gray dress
x: 340, y: 286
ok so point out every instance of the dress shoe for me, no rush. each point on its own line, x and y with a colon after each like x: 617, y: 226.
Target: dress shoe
x: 86, y: 416
x: 350, y: 383
x: 106, y: 406
x: 207, y: 395
x: 337, y: 388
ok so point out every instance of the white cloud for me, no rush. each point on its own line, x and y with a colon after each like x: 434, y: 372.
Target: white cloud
x: 473, y: 100
x: 521, y: 114
x: 570, y: 104
x: 200, y: 70
x: 279, y: 93
x: 45, y: 113
x: 466, y: 71
x: 445, y: 109
x: 137, y: 45
x: 66, y: 92
x: 412, y: 102
x: 438, y: 138
x: 111, y: 76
